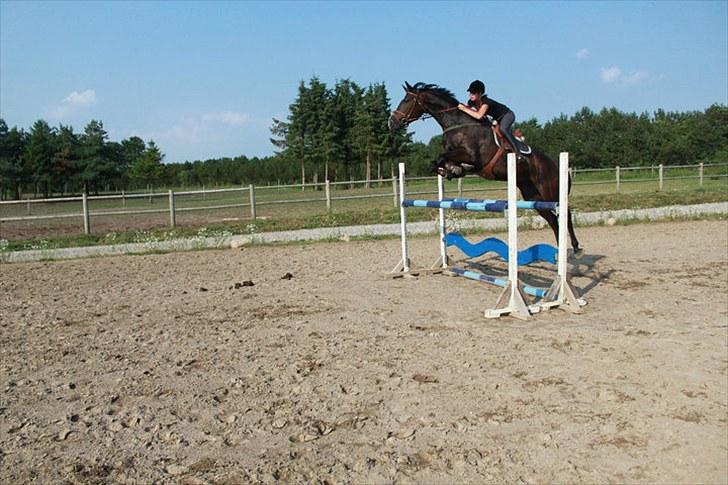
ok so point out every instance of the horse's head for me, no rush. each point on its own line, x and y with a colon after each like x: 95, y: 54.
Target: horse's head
x: 410, y: 109
x: 421, y: 100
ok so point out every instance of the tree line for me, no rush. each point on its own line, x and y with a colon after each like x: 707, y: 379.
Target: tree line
x: 338, y: 133
x: 48, y: 161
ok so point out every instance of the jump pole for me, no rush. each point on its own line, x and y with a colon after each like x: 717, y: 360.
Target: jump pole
x: 511, y: 300
x: 561, y: 291
x: 404, y: 264
x: 442, y: 261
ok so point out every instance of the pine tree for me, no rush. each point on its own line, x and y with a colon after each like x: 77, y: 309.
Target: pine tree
x: 12, y: 170
x: 92, y: 164
x: 39, y: 156
x: 148, y: 169
x: 65, y: 158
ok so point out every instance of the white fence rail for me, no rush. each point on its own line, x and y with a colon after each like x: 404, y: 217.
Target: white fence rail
x: 248, y: 194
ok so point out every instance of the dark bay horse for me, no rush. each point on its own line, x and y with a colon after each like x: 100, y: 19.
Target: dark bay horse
x: 471, y: 142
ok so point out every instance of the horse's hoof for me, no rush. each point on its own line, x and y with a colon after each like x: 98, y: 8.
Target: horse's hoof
x: 578, y: 252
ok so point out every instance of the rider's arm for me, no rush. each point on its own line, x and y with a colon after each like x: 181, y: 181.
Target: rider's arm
x: 478, y: 115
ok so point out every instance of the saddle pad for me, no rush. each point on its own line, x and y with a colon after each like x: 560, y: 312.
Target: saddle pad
x: 523, y: 147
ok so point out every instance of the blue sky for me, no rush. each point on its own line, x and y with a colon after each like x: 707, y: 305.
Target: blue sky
x: 204, y: 79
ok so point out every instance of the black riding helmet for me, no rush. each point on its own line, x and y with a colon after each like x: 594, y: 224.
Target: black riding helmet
x: 476, y: 87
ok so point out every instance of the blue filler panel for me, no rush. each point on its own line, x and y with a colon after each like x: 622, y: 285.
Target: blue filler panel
x: 538, y: 252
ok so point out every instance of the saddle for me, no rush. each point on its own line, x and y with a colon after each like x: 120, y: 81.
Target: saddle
x: 502, y: 141
x: 503, y: 145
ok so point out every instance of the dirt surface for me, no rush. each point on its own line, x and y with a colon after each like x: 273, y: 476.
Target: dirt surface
x: 308, y: 364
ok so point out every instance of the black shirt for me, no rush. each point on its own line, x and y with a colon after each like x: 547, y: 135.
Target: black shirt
x: 496, y: 110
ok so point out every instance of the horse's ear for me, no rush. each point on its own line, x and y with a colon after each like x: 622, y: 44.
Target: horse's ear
x: 407, y: 86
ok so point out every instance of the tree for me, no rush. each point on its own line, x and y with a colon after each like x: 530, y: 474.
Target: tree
x: 346, y: 97
x: 12, y: 171
x: 65, y: 158
x: 39, y: 154
x: 147, y: 169
x: 379, y: 109
x: 93, y: 166
x: 370, y: 133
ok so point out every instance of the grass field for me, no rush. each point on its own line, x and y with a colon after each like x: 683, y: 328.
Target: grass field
x: 293, y: 208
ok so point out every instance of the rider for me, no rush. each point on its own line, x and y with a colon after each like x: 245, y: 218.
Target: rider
x: 479, y: 105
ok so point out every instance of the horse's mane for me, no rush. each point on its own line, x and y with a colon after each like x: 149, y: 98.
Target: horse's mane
x: 434, y: 88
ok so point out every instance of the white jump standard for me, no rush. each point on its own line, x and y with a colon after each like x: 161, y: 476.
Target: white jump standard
x: 511, y: 301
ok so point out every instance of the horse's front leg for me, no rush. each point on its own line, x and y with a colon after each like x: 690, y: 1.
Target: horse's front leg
x: 446, y: 166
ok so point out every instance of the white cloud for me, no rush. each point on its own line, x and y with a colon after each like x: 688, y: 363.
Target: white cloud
x: 86, y: 98
x: 582, y: 54
x: 200, y: 129
x: 227, y: 118
x: 610, y: 75
x: 72, y: 103
x: 634, y: 77
x: 614, y: 75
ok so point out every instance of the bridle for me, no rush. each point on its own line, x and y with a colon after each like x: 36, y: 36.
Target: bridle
x: 407, y: 117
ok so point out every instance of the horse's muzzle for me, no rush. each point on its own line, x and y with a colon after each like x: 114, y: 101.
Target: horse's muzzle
x: 394, y: 123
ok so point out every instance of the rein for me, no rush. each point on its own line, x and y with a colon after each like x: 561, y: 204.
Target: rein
x: 457, y: 127
x: 425, y: 115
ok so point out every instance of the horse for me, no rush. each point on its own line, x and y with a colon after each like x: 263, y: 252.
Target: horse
x: 469, y: 146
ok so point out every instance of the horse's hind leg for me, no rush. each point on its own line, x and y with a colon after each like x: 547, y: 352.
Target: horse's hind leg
x: 574, y: 242
x: 552, y: 220
x: 530, y: 192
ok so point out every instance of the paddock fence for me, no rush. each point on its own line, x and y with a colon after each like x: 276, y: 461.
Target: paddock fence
x: 128, y: 211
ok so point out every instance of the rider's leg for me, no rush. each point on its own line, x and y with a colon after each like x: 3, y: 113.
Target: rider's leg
x: 506, y: 123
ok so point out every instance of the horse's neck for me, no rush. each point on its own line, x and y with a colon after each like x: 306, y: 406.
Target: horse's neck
x: 447, y: 116
x: 453, y: 118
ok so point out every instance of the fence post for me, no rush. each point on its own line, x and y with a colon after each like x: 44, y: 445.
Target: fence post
x: 659, y: 174
x: 460, y: 187
x: 700, y: 173
x: 394, y: 191
x: 123, y: 199
x: 617, y: 174
x: 328, y: 195
x: 251, y: 189
x: 28, y: 202
x: 86, y: 216
x: 172, y: 219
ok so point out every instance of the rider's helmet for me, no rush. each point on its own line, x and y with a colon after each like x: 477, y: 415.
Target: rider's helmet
x: 477, y: 86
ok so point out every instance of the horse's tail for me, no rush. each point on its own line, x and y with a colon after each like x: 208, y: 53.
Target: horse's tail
x: 544, y: 174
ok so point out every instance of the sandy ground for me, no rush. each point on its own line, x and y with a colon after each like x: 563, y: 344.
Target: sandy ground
x: 172, y: 368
